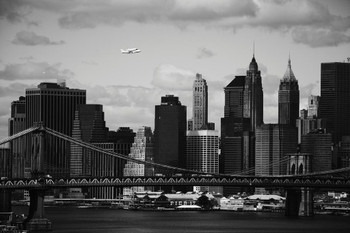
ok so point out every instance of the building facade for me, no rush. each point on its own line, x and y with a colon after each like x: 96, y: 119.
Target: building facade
x: 88, y: 126
x: 200, y: 102
x: 202, y: 152
x: 335, y: 99
x: 142, y: 149
x: 54, y: 105
x: 18, y: 147
x: 243, y: 113
x: 273, y: 142
x: 319, y: 145
x: 170, y: 133
x: 288, y: 98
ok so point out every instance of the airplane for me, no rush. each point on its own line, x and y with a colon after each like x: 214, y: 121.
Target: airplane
x: 130, y: 51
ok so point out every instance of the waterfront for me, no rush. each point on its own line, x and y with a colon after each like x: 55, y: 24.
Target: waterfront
x: 97, y: 220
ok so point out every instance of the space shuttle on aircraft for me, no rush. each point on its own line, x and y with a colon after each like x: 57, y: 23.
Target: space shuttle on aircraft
x: 130, y: 51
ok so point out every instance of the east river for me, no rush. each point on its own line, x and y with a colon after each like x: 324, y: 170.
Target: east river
x: 105, y: 220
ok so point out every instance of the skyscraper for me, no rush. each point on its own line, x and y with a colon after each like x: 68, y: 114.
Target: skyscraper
x: 335, y: 98
x: 232, y: 126
x: 288, y: 98
x: 313, y: 106
x: 309, y: 121
x: 18, y: 147
x: 142, y: 149
x: 273, y: 142
x: 243, y: 112
x: 170, y: 132
x: 200, y: 102
x: 253, y: 96
x: 54, y: 105
x: 202, y: 152
x: 88, y: 126
x: 319, y: 145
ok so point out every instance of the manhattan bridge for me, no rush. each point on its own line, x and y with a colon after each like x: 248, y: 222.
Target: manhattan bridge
x: 297, y: 186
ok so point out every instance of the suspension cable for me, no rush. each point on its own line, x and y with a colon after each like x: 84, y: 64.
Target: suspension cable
x: 20, y: 134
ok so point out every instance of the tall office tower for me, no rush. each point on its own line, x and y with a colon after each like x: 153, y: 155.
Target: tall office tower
x: 5, y: 162
x: 288, y: 98
x: 88, y: 126
x: 232, y: 126
x: 122, y: 140
x: 200, y: 102
x: 18, y: 146
x: 170, y: 133
x: 253, y: 96
x: 319, y: 144
x: 5, y: 171
x: 313, y: 106
x: 309, y: 121
x: 142, y: 149
x: 54, y: 105
x: 335, y: 98
x: 344, y: 151
x: 202, y: 152
x: 243, y: 112
x: 273, y: 142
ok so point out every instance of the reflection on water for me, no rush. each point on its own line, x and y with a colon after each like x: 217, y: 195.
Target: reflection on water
x: 72, y: 219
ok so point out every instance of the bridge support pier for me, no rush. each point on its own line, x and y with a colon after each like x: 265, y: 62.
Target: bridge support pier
x: 299, y: 202
x: 292, y: 203
x: 5, y: 200
x: 36, y: 222
x: 307, y: 203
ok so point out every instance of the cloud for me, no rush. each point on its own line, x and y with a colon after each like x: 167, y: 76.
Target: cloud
x: 306, y: 20
x: 34, y: 71
x: 179, y: 12
x: 319, y: 37
x: 9, y: 10
x: 32, y: 39
x: 172, y: 78
x: 204, y: 53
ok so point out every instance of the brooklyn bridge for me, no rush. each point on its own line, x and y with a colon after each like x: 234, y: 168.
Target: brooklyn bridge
x: 299, y: 186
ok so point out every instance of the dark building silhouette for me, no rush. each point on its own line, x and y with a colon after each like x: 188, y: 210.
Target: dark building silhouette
x: 18, y: 147
x: 253, y: 96
x: 170, y: 133
x: 243, y: 113
x: 288, y: 98
x: 54, y: 105
x: 232, y: 126
x: 334, y: 105
x: 319, y: 145
x: 88, y: 126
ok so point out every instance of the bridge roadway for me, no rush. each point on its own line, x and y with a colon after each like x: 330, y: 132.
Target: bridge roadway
x: 340, y: 183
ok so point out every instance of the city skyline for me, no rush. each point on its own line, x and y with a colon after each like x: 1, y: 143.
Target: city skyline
x: 81, y: 44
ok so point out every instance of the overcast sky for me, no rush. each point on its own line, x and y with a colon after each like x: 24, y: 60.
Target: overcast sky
x: 80, y: 41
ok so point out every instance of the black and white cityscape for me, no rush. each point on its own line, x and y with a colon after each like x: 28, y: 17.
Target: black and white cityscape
x: 141, y: 116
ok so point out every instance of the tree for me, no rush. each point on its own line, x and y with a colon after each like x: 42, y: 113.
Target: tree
x: 204, y: 202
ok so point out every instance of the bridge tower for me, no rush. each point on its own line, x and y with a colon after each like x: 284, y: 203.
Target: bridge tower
x: 35, y: 221
x: 299, y: 201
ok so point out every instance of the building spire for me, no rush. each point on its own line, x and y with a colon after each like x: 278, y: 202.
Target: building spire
x: 289, y: 75
x: 254, y: 48
x: 289, y: 62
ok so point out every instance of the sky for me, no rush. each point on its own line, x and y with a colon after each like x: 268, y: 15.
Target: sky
x: 79, y: 41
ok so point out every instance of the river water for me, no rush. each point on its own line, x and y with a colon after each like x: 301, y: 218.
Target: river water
x: 105, y: 220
